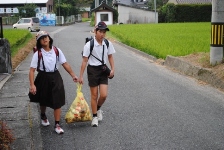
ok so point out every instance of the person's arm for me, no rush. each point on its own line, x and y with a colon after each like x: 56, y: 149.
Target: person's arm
x: 68, y: 68
x: 33, y: 89
x: 111, y: 61
x: 82, y: 69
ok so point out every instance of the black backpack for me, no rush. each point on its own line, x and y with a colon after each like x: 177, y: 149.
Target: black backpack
x: 92, y: 44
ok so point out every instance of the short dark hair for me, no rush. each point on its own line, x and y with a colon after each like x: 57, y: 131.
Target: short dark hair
x: 97, y: 29
x: 39, y: 46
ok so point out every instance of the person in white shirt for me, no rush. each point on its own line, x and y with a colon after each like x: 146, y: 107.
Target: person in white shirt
x: 48, y: 89
x: 97, y: 72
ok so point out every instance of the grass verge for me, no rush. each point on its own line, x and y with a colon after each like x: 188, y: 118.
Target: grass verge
x: 160, y: 40
x: 17, y: 39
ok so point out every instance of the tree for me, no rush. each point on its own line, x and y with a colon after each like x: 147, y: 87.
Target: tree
x: 159, y: 3
x: 83, y: 3
x: 66, y: 7
x: 28, y: 10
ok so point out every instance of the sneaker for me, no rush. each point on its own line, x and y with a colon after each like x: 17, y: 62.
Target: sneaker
x: 94, y: 122
x: 45, y: 122
x: 58, y: 129
x: 100, y: 115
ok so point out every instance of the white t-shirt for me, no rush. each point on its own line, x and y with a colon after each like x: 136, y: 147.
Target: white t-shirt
x: 98, y: 51
x: 49, y: 60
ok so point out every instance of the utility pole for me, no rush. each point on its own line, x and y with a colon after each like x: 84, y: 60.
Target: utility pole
x: 155, y: 9
x: 97, y: 3
x: 217, y: 29
x: 1, y: 28
x: 59, y: 7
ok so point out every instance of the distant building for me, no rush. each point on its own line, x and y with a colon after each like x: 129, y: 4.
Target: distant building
x: 103, y: 13
x: 190, y: 1
x: 131, y: 3
x: 10, y: 7
x: 85, y: 11
x: 134, y: 12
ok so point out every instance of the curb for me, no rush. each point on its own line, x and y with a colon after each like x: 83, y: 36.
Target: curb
x: 197, y: 72
x: 32, y: 110
x: 6, y: 77
x: 183, y: 67
x: 152, y: 58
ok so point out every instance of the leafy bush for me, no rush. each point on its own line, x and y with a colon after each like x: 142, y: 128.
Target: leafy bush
x: 92, y: 23
x: 6, y: 136
x: 115, y: 17
x: 185, y: 13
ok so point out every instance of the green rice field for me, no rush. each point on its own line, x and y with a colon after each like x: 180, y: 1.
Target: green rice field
x: 17, y: 38
x: 160, y: 40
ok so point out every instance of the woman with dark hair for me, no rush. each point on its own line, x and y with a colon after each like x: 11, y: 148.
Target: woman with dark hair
x: 48, y: 88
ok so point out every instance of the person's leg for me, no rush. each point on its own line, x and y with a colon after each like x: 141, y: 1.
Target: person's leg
x: 42, y: 109
x: 103, y: 94
x: 57, y: 117
x: 57, y: 114
x: 101, y: 100
x: 44, y: 120
x: 94, y: 96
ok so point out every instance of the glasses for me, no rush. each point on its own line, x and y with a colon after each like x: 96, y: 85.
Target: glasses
x: 43, y: 37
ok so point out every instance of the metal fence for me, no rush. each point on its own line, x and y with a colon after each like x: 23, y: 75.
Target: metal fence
x: 60, y: 20
x: 9, y: 20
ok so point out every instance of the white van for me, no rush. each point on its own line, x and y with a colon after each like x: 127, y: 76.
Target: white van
x: 32, y: 24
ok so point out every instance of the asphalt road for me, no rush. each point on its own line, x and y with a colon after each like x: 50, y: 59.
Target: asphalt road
x: 148, y: 106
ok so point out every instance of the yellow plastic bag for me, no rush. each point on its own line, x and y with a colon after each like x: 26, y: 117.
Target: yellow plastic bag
x: 79, y: 110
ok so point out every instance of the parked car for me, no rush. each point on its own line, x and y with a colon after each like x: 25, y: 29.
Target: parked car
x: 32, y: 24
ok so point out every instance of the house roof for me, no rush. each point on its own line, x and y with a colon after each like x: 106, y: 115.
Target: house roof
x: 131, y: 3
x: 22, y: 1
x: 103, y: 5
x: 190, y: 1
x: 124, y: 2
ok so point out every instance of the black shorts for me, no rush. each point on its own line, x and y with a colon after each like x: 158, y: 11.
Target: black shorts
x: 96, y: 76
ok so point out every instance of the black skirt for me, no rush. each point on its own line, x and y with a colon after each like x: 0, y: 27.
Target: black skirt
x: 50, y: 90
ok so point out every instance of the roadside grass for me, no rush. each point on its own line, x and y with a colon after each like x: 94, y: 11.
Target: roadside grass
x: 160, y: 40
x: 86, y: 19
x: 17, y: 38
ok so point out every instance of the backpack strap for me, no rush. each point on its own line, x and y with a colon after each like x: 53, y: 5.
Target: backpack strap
x: 56, y: 51
x: 57, y: 56
x: 91, y: 47
x: 39, y: 57
x: 106, y: 42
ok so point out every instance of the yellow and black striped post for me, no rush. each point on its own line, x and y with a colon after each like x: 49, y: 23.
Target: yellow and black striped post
x: 217, y: 34
x: 217, y: 30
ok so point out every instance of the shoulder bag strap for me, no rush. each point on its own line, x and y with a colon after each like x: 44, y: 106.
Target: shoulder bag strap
x: 103, y: 56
